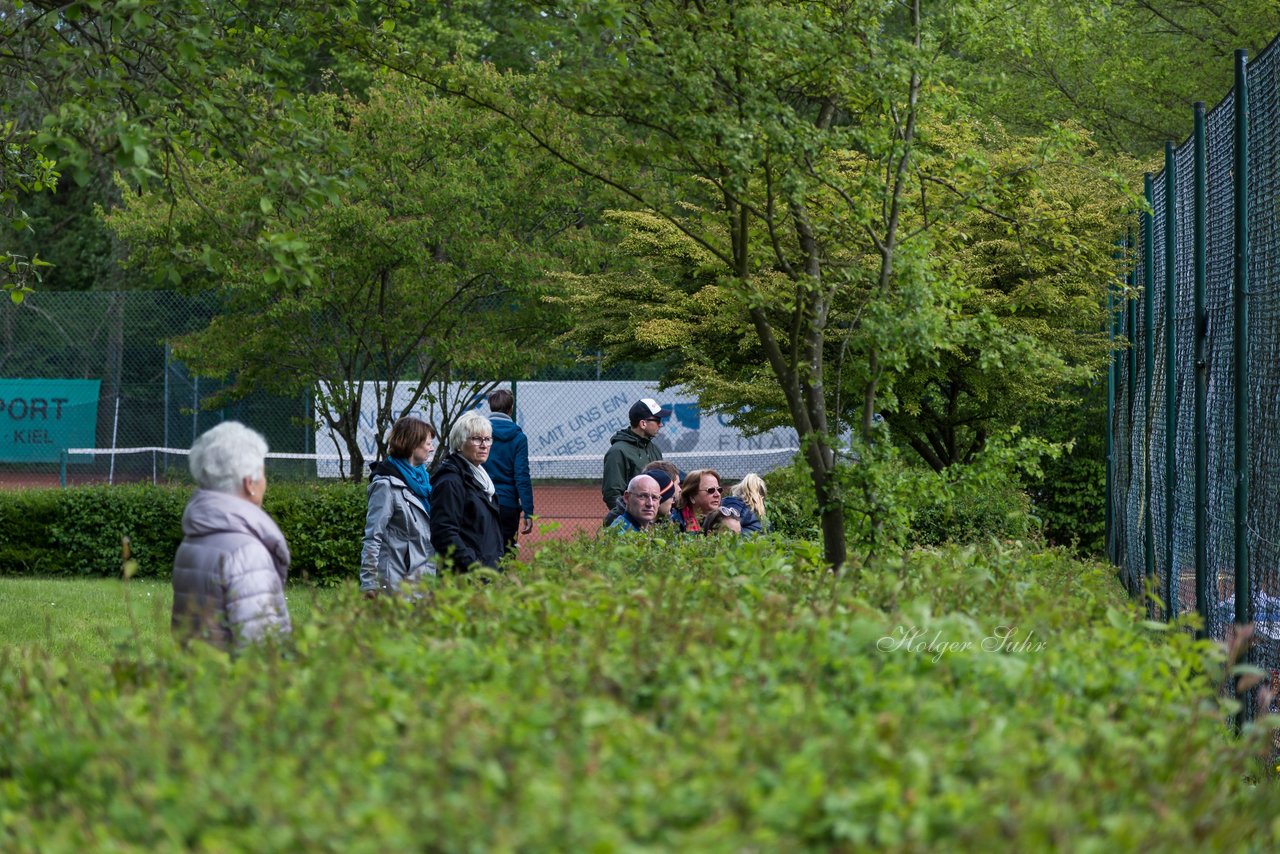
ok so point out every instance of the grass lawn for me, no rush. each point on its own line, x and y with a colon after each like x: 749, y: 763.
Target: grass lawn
x: 86, y: 619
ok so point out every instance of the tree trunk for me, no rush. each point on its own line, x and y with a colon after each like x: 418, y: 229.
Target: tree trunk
x: 830, y: 508
x: 817, y: 453
x: 349, y: 430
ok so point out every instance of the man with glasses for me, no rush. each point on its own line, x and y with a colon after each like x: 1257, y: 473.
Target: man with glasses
x: 641, y: 498
x: 632, y: 449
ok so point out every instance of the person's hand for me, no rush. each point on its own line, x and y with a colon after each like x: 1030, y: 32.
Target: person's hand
x: 371, y: 594
x: 528, y: 525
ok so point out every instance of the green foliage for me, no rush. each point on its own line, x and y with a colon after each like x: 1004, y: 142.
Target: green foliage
x: 65, y: 231
x: 781, y: 151
x: 1070, y: 494
x: 964, y: 504
x: 102, y: 86
x: 984, y: 500
x: 426, y: 266
x: 839, y: 230
x: 89, y: 524
x: 323, y: 524
x: 24, y: 517
x: 790, y: 505
x: 24, y: 171
x: 627, y: 694
x: 78, y: 531
x: 1037, y: 259
x: 1127, y: 69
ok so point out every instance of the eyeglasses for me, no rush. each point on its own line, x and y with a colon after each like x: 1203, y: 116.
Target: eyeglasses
x: 713, y: 490
x: 480, y: 440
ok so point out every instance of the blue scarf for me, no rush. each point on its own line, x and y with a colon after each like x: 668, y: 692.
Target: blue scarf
x: 416, y: 478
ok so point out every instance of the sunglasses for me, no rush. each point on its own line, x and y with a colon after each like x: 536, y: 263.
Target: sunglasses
x: 713, y: 490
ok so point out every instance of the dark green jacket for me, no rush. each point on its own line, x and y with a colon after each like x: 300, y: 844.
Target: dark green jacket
x: 627, y: 455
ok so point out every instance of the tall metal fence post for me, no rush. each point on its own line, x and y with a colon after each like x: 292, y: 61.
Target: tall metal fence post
x: 1149, y: 363
x: 1240, y: 356
x: 165, y: 441
x: 1131, y: 334
x: 1131, y: 320
x: 1170, y: 373
x: 1200, y: 265
x: 1117, y: 332
x: 1109, y: 524
x: 1240, y: 298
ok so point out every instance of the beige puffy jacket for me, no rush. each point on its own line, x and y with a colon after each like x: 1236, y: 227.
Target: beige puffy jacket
x: 229, y: 572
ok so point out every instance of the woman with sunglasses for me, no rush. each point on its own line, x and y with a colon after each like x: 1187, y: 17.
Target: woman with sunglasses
x: 699, y: 495
x: 465, y: 527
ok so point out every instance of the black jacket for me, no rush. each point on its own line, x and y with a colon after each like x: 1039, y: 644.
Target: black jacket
x: 464, y: 519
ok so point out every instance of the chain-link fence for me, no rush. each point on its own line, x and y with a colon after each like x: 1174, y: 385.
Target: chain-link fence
x: 1196, y: 422
x: 100, y: 368
x: 146, y: 398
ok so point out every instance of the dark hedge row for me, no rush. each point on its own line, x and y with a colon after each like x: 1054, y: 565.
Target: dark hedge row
x: 79, y: 531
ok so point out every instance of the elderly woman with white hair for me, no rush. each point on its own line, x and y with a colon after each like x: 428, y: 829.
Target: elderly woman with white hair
x: 230, y: 570
x: 465, y: 526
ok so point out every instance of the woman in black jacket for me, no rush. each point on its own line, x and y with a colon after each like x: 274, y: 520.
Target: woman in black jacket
x: 465, y: 529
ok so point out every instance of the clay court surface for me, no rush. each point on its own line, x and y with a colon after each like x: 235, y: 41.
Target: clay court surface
x: 577, y: 508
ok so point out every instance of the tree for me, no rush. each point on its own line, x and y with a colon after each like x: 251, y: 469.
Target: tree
x: 427, y: 266
x: 784, y: 140
x: 1036, y: 263
x: 93, y: 87
x: 1128, y: 70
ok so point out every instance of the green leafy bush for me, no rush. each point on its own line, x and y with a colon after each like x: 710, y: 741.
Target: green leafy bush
x: 24, y: 541
x: 78, y: 531
x: 790, y: 506
x: 966, y: 504
x: 89, y: 524
x: 982, y: 500
x: 324, y: 525
x: 636, y: 694
x: 1070, y: 495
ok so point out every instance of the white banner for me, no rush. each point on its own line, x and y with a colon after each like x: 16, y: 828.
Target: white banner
x: 569, y: 425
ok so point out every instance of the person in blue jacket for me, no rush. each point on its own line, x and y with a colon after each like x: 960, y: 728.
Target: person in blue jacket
x: 747, y: 499
x: 508, y: 467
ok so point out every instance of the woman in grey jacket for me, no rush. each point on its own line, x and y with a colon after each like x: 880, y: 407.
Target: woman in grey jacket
x: 397, y: 530
x: 230, y: 570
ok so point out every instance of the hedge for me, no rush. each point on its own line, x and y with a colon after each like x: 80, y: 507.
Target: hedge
x: 78, y: 531
x: 635, y: 695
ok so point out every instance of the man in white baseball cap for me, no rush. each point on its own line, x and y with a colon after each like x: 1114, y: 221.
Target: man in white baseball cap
x: 630, y: 450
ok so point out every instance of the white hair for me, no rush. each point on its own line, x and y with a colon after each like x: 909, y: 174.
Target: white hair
x: 225, y: 455
x: 469, y: 424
